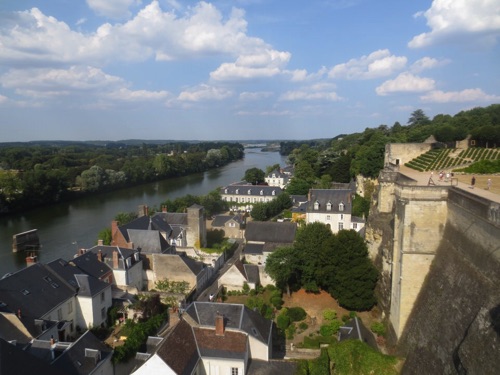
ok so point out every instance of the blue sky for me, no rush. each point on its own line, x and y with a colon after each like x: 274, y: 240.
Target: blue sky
x: 239, y: 69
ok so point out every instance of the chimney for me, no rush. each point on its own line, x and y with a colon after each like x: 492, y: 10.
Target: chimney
x: 99, y: 255
x: 164, y: 208
x: 115, y: 259
x: 52, y: 341
x: 219, y: 324
x: 100, y: 242
x: 114, y: 229
x: 19, y: 313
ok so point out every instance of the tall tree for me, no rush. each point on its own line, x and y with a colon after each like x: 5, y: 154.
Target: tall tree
x: 283, y: 265
x: 418, y: 117
x: 254, y: 176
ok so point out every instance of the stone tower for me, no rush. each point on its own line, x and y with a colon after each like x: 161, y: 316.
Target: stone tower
x: 197, y: 230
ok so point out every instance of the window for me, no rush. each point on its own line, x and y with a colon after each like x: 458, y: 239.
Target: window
x: 70, y: 307
x: 327, y: 217
x: 316, y: 205
x: 341, y: 206
x: 341, y: 216
x: 237, y: 191
x: 354, y: 225
x: 274, y: 192
x: 262, y: 192
x: 225, y: 191
x: 102, y: 297
x: 235, y: 371
x: 249, y: 191
x: 341, y: 226
x: 329, y: 206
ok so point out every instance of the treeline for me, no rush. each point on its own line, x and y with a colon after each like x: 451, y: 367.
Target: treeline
x: 344, y: 157
x: 37, y: 174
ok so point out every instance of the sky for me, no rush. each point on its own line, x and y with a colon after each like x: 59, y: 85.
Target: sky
x: 239, y: 69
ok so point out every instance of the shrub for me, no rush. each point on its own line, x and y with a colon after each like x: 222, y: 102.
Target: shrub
x: 331, y: 328
x: 276, y: 299
x: 296, y: 314
x: 283, y: 321
x: 303, y: 326
x: 290, y: 331
x: 378, y: 328
x: 329, y: 314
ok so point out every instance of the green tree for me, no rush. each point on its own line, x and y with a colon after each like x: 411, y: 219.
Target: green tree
x: 125, y: 217
x: 254, y: 176
x: 105, y: 236
x: 418, y: 117
x: 283, y: 265
x: 355, y: 275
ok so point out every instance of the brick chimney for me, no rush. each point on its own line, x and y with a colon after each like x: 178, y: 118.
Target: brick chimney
x: 219, y: 324
x: 115, y: 259
x: 114, y: 229
x: 99, y: 255
x: 163, y: 208
x: 100, y: 242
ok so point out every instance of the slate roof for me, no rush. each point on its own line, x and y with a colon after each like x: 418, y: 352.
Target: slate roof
x: 34, y: 291
x: 195, y: 266
x: 89, y: 264
x: 266, y: 231
x: 12, y: 329
x: 221, y: 220
x: 83, y: 356
x: 354, y: 329
x: 82, y: 282
x: 149, y: 241
x: 333, y: 196
x: 15, y: 361
x: 254, y: 248
x: 107, y: 255
x: 236, y: 317
x: 249, y: 271
x: 243, y: 189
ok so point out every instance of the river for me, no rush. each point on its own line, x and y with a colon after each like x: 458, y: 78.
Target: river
x: 65, y: 227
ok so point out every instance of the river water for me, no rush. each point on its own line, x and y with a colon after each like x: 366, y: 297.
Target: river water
x: 65, y: 227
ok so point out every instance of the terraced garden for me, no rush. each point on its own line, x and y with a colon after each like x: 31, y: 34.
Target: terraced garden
x: 448, y: 158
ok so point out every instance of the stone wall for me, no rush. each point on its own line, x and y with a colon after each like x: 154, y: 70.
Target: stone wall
x: 402, y: 153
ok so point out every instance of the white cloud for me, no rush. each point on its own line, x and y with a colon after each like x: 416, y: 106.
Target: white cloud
x: 112, y: 8
x: 3, y: 99
x: 321, y: 91
x: 454, y: 19
x: 77, y: 81
x: 265, y: 63
x: 205, y: 92
x: 249, y: 96
x: 405, y: 82
x: 427, y: 63
x: 467, y: 95
x: 377, y: 64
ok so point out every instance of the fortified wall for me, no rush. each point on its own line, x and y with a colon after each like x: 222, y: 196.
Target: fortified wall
x: 438, y: 251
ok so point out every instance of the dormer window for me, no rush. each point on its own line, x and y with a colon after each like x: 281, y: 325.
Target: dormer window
x: 225, y: 191
x: 237, y: 191
x: 341, y: 206
x: 316, y: 205
x: 262, y: 192
x: 249, y: 191
x: 274, y: 192
x: 329, y: 206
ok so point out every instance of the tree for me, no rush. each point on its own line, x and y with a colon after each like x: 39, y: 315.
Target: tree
x: 254, y: 176
x: 106, y: 236
x: 125, y: 217
x: 283, y: 265
x: 355, y: 275
x: 418, y: 117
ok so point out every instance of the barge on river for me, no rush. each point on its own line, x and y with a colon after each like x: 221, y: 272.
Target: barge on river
x: 26, y: 241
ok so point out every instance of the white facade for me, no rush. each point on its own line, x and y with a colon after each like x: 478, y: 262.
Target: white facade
x: 219, y: 366
x: 277, y: 179
x: 93, y: 311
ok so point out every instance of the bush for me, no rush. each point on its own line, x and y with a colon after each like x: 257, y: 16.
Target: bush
x: 296, y: 314
x: 290, y: 331
x: 331, y: 328
x: 283, y: 321
x: 303, y: 326
x: 276, y: 299
x: 329, y: 314
x: 378, y: 328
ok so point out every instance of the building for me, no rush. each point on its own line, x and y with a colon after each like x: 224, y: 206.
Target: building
x: 333, y: 207
x: 211, y: 338
x: 277, y: 178
x: 232, y: 225
x: 244, y: 195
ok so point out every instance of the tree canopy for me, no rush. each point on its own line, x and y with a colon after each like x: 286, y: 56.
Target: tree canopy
x: 319, y: 259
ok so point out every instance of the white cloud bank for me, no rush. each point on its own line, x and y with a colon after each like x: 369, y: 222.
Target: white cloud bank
x: 453, y: 19
x: 407, y: 83
x: 468, y: 95
x: 377, y: 64
x: 112, y: 8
